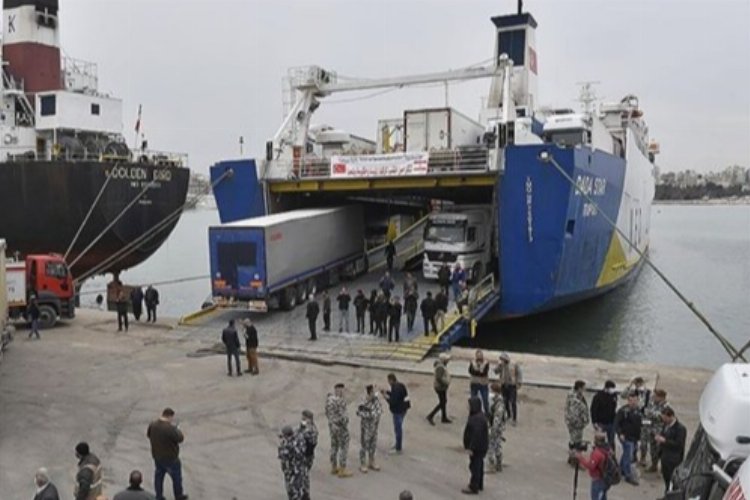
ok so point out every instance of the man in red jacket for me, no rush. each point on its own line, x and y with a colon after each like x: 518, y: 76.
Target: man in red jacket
x: 595, y: 464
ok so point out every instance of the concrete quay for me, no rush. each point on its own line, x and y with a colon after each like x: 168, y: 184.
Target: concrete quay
x: 85, y: 381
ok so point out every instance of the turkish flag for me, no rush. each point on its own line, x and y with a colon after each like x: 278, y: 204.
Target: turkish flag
x: 532, y: 60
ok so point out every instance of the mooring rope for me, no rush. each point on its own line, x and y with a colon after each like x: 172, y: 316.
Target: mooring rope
x: 174, y: 281
x: 88, y: 215
x: 725, y: 343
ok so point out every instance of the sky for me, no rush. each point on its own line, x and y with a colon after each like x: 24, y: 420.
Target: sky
x: 210, y: 71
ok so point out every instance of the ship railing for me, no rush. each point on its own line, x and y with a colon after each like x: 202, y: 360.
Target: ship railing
x: 160, y: 158
x: 409, y: 244
x: 465, y: 160
x: 479, y: 291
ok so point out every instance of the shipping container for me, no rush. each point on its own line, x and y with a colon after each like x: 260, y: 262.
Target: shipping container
x: 280, y: 259
x: 439, y: 129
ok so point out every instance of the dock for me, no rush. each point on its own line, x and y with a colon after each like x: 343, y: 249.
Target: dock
x: 50, y: 401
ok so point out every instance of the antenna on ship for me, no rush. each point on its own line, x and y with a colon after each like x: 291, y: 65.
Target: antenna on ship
x: 587, y: 95
x: 520, y: 7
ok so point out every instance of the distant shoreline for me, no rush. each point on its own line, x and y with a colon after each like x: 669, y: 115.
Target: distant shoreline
x: 713, y: 201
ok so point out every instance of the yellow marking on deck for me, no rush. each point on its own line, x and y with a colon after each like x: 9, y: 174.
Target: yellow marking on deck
x: 428, y: 181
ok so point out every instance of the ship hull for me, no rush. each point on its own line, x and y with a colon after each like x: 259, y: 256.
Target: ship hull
x: 556, y: 249
x: 44, y: 203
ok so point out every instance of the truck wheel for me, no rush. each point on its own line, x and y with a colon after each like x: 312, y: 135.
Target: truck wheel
x: 47, y: 316
x: 289, y: 298
x: 301, y: 293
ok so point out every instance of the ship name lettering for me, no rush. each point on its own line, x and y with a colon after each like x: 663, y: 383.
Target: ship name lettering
x: 590, y: 186
x: 128, y: 173
x: 162, y: 175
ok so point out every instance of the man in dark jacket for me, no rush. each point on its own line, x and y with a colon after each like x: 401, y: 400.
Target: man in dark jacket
x: 672, y: 444
x: 165, y: 437
x: 628, y: 422
x: 360, y: 307
x: 136, y: 298
x: 33, y: 313
x: 326, y: 312
x: 394, y: 319
x: 152, y: 300
x: 398, y: 403
x: 134, y: 491
x: 122, y: 310
x: 373, y: 315
x: 390, y: 253
x: 428, y: 314
x: 476, y: 443
x: 387, y: 285
x: 381, y: 315
x: 232, y: 343
x: 312, y: 316
x: 444, y: 278
x: 410, y: 308
x: 251, y: 347
x: 89, y: 476
x: 343, y: 299
x: 603, y: 409
x: 45, y: 490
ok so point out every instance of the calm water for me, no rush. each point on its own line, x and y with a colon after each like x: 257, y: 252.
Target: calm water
x: 705, y: 250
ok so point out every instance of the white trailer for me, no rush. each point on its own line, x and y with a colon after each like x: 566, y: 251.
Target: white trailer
x: 439, y: 129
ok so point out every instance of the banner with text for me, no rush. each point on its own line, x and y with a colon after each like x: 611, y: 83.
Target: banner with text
x: 385, y: 165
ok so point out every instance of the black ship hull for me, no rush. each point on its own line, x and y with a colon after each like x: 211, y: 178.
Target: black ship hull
x: 44, y: 203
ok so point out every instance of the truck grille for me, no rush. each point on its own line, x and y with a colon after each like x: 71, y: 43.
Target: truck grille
x: 441, y: 257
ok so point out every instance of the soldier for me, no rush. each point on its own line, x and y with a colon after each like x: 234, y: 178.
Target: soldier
x: 498, y: 417
x: 89, y: 477
x: 338, y: 424
x: 309, y: 433
x: 652, y: 426
x: 292, y: 454
x: 576, y: 418
x: 369, y: 411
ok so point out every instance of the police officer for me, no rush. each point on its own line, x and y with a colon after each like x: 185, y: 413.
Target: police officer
x: 498, y: 417
x: 369, y: 412
x: 309, y: 433
x: 291, y: 455
x: 338, y: 425
x: 576, y: 418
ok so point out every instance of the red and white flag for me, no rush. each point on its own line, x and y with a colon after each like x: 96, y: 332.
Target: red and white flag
x: 138, y: 121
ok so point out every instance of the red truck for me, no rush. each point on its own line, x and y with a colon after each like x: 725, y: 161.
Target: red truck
x: 48, y: 279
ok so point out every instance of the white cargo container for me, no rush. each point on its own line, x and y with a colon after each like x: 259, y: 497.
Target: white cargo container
x: 438, y: 129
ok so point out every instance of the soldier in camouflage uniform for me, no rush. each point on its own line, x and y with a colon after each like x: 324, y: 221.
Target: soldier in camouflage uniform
x: 292, y: 456
x: 576, y: 418
x: 498, y: 418
x: 369, y: 411
x: 309, y: 433
x: 652, y: 426
x: 338, y: 424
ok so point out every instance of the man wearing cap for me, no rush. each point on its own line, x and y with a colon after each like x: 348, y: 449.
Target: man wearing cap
x: 576, y: 418
x: 291, y: 453
x: 498, y: 417
x: 369, y: 412
x: 338, y: 425
x: 134, y: 491
x: 45, y: 490
x: 441, y: 384
x: 510, y: 377
x: 309, y: 432
x: 89, y: 476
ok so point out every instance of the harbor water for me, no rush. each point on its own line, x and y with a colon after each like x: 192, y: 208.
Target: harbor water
x: 704, y: 250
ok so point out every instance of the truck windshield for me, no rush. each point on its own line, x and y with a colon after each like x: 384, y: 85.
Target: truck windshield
x: 445, y: 232
x: 55, y: 270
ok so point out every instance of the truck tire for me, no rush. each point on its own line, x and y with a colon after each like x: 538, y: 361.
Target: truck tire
x: 289, y: 298
x: 301, y: 293
x: 47, y: 316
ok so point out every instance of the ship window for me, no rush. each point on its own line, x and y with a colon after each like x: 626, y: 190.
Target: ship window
x: 48, y: 105
x: 512, y: 43
x: 94, y: 109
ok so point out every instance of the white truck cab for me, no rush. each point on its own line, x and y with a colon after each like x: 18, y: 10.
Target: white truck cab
x: 463, y: 234
x: 722, y: 441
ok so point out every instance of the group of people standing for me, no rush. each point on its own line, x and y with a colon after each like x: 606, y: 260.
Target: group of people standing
x: 646, y: 423
x: 296, y: 449
x: 135, y: 301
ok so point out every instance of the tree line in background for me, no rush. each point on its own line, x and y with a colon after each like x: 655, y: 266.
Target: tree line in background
x: 733, y: 181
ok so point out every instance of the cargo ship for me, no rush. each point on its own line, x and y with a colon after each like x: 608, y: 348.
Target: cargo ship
x: 518, y: 194
x: 69, y: 183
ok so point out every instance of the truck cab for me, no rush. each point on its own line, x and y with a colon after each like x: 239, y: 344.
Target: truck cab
x: 721, y: 443
x: 462, y: 235
x: 47, y: 278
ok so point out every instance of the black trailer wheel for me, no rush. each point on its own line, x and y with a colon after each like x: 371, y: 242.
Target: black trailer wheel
x: 47, y: 316
x: 289, y: 298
